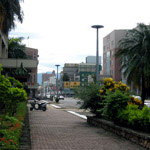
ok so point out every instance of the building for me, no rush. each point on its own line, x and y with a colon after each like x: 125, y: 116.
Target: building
x: 92, y: 60
x: 45, y: 77
x: 71, y: 69
x: 85, y: 72
x: 48, y: 83
x: 25, y: 70
x: 111, y: 65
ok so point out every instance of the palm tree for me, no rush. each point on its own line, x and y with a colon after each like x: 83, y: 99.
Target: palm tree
x: 134, y: 54
x: 16, y: 48
x: 10, y: 10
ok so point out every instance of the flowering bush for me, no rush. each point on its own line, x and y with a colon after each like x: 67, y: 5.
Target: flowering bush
x: 135, y: 101
x: 11, y: 127
x: 110, y: 85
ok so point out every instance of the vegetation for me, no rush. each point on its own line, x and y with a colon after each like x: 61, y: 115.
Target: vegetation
x: 16, y: 48
x: 135, y: 118
x: 10, y: 10
x: 112, y: 101
x: 65, y: 77
x: 12, y: 111
x: 11, y: 127
x: 89, y: 96
x: 134, y: 53
x: 57, y: 99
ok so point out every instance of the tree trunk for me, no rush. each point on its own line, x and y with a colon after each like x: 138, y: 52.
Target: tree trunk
x: 143, y: 94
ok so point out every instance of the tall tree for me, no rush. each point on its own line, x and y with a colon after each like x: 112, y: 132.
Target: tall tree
x: 16, y: 48
x: 134, y: 53
x: 65, y: 77
x: 10, y: 10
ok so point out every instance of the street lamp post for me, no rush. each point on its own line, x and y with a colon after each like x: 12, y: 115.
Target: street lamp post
x: 57, y: 80
x: 97, y: 52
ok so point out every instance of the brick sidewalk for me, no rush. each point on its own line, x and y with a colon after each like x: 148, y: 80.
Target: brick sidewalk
x: 57, y: 129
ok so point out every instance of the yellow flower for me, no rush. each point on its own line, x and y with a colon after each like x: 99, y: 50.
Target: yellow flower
x: 110, y: 79
x: 101, y: 91
x: 110, y: 90
x: 127, y: 89
x: 108, y: 83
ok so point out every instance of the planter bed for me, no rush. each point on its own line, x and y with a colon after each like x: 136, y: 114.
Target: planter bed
x: 139, y: 138
x: 25, y: 142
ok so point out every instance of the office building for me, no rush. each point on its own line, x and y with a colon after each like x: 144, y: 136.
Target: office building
x: 92, y: 60
x: 111, y: 64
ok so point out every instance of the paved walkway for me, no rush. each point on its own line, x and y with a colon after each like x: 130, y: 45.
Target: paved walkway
x: 58, y: 129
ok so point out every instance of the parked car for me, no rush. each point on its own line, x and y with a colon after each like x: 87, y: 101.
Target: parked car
x: 61, y: 97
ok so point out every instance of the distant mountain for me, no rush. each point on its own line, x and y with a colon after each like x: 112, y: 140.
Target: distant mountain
x: 40, y: 77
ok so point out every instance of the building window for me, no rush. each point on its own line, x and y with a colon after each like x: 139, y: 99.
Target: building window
x: 108, y: 63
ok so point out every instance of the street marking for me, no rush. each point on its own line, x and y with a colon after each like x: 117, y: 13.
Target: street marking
x: 74, y: 113
x: 55, y: 106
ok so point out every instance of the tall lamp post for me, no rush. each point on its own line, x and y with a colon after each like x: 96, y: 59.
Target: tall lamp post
x: 57, y: 79
x: 97, y: 51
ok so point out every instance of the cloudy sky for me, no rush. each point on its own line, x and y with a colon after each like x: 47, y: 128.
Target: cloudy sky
x: 61, y: 29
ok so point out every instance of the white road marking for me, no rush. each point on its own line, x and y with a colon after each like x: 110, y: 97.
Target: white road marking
x: 74, y: 113
x: 55, y: 106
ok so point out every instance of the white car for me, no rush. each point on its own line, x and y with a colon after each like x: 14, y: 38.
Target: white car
x: 61, y: 97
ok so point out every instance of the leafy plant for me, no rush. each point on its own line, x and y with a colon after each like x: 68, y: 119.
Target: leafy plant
x: 89, y: 97
x: 135, y: 118
x: 113, y: 103
x: 56, y: 99
x: 11, y: 128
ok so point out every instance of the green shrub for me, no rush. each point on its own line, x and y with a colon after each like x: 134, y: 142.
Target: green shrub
x: 15, y: 83
x: 89, y: 96
x: 135, y: 118
x: 56, y: 99
x: 5, y: 86
x: 113, y: 103
x: 11, y: 92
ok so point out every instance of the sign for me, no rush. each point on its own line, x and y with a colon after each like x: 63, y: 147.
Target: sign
x: 71, y: 84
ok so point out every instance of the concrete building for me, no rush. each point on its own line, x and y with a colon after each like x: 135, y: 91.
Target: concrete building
x: 85, y: 72
x: 111, y: 65
x: 12, y: 66
x: 92, y: 60
x: 71, y: 69
x: 48, y: 83
x: 45, y: 77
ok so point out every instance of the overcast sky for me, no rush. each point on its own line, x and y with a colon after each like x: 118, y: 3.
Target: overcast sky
x: 61, y: 29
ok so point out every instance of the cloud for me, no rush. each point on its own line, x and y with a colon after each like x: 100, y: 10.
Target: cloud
x: 61, y: 30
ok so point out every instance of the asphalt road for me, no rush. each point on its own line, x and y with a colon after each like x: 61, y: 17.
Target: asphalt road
x: 69, y: 102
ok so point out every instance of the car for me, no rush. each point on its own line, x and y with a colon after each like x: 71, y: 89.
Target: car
x: 61, y: 97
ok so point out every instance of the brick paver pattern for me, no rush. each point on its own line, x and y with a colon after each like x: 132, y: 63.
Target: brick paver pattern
x: 57, y: 129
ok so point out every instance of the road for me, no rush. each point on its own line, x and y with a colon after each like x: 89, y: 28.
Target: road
x: 69, y: 102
